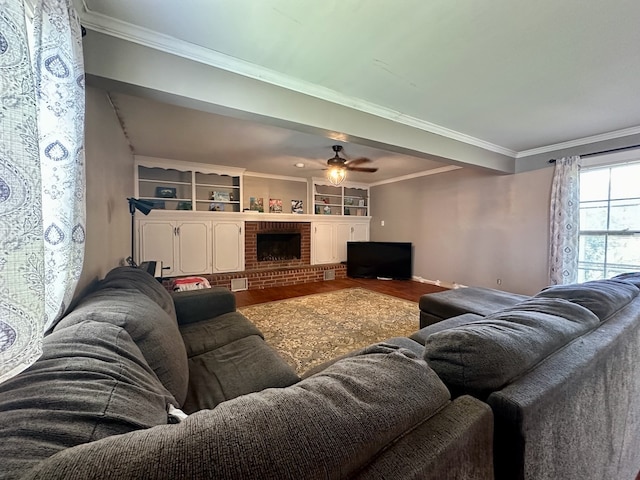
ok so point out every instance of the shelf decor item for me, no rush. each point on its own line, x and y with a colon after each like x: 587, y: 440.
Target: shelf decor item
x: 157, y: 204
x: 220, y: 196
x: 256, y: 204
x: 165, y: 192
x: 327, y: 210
x: 216, y: 207
x: 184, y: 205
x: 361, y: 202
x: 297, y: 206
x: 275, y: 205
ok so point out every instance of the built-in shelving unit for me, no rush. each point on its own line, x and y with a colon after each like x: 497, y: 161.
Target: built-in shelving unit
x: 174, y: 185
x: 345, y: 199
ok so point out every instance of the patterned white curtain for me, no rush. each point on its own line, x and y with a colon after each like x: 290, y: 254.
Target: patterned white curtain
x: 564, y: 228
x: 41, y: 175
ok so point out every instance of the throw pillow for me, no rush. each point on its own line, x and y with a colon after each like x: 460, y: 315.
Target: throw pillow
x: 154, y: 331
x: 602, y: 297
x: 484, y: 355
x: 91, y: 382
x: 189, y: 283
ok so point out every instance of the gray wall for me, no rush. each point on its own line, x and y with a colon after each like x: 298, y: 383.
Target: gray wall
x: 109, y: 173
x: 470, y: 227
x: 467, y: 226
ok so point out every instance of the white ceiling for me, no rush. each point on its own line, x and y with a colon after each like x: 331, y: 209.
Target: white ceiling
x: 516, y: 75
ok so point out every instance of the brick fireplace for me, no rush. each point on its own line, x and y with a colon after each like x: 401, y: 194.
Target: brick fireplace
x: 251, y: 231
x: 271, y: 273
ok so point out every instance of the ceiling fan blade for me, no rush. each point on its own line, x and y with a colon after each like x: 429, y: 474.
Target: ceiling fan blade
x: 361, y: 169
x: 358, y: 161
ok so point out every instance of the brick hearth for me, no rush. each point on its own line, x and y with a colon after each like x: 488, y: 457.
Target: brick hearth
x: 263, y: 274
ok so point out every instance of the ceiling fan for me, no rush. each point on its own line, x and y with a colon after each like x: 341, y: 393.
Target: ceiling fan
x: 338, y: 166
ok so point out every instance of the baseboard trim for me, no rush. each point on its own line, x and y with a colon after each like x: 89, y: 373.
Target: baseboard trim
x: 439, y: 283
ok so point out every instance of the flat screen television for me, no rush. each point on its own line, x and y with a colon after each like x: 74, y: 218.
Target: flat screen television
x: 379, y: 260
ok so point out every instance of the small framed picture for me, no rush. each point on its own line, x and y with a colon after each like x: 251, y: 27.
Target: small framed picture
x: 297, y: 206
x: 184, y: 206
x: 220, y: 196
x: 165, y: 192
x: 275, y: 205
x: 256, y: 204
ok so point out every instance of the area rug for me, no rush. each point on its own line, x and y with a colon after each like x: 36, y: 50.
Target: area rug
x: 310, y: 330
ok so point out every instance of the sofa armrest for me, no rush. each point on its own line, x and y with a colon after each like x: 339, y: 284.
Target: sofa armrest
x: 197, y: 305
x: 459, y: 445
x: 328, y: 426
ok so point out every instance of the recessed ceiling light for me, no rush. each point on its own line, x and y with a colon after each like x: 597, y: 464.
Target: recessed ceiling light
x: 299, y: 165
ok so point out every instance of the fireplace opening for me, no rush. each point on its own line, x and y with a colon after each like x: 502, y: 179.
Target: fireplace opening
x: 278, y: 246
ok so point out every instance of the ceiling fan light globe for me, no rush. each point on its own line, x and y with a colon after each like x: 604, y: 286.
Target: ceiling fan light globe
x: 336, y: 175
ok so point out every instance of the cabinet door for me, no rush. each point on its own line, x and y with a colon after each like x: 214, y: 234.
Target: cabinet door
x: 360, y: 232
x: 323, y: 243
x: 157, y: 242
x: 228, y: 248
x: 193, y: 248
x: 343, y: 235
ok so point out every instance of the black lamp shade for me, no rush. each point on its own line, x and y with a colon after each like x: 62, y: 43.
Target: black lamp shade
x: 143, y: 206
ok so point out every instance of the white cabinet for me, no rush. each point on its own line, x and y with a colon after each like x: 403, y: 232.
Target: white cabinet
x: 228, y: 246
x: 329, y: 242
x: 183, y: 247
x: 324, y: 242
x: 156, y: 241
x: 192, y: 246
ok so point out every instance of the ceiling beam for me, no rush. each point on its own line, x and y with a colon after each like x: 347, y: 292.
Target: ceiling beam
x: 115, y: 63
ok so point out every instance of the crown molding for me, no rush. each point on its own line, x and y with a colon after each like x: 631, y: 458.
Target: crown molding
x: 149, y: 38
x: 580, y: 141
x: 434, y: 171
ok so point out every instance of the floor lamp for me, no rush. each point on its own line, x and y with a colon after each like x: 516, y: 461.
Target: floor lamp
x: 143, y: 206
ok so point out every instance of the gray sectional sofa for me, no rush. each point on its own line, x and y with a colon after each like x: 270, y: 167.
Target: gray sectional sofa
x: 560, y: 371
x: 104, y: 401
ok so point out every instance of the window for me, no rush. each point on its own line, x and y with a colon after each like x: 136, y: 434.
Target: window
x: 609, y: 221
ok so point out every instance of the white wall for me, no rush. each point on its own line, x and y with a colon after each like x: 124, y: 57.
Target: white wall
x: 109, y: 173
x: 470, y: 227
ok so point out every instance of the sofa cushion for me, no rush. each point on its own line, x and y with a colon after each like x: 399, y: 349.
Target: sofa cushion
x: 142, y: 282
x: 91, y: 382
x: 631, y: 277
x: 421, y: 335
x: 328, y: 426
x: 481, y: 301
x: 602, y: 297
x: 200, y: 337
x: 244, y: 366
x: 153, y: 330
x: 197, y: 305
x: 484, y: 355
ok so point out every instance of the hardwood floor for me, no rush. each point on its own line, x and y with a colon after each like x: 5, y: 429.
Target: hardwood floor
x: 406, y: 289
